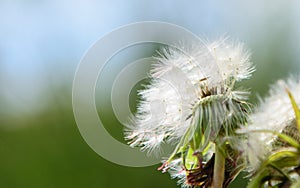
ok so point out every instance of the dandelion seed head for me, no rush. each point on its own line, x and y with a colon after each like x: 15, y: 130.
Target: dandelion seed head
x: 190, y: 85
x: 275, y: 113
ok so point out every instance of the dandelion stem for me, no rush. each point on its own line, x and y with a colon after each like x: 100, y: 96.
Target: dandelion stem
x: 219, y: 168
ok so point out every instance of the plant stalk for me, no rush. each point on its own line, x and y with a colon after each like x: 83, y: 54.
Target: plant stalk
x: 219, y: 168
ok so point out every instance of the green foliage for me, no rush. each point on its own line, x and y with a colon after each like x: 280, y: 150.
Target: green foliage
x: 296, y: 108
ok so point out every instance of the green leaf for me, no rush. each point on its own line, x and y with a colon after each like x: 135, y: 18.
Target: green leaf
x: 295, y: 107
x: 258, y: 180
x: 284, y: 158
x: 278, y: 161
x: 290, y: 140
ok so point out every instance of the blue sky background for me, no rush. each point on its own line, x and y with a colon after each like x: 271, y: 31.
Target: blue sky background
x: 42, y: 42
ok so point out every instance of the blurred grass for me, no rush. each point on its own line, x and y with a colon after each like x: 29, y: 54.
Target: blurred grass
x: 48, y: 151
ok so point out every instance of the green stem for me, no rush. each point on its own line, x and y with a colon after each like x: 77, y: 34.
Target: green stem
x: 219, y: 168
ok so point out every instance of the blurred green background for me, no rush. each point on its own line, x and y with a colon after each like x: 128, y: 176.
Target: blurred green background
x: 41, y: 45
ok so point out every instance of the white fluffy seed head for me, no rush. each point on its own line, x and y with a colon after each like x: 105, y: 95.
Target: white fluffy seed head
x: 275, y: 113
x: 232, y: 58
x: 182, y: 78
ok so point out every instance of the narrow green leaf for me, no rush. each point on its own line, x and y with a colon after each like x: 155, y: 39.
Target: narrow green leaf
x: 284, y: 158
x: 258, y: 180
x: 295, y: 107
x: 282, y: 172
x: 285, y: 137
